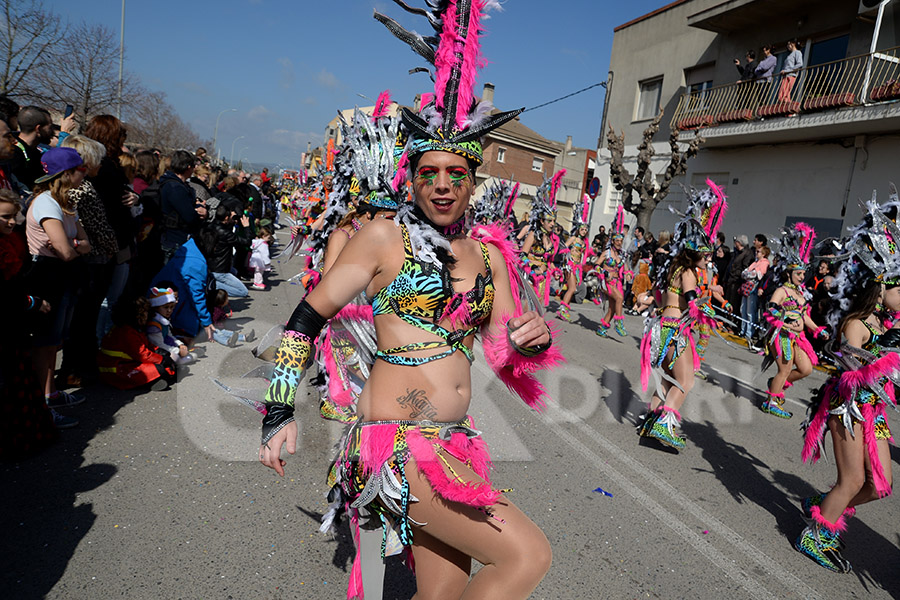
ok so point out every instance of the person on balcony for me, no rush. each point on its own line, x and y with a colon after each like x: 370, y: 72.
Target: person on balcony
x: 766, y: 67
x: 792, y: 65
x: 746, y: 71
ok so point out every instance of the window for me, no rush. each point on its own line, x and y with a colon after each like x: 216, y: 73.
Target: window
x: 501, y: 154
x: 697, y: 82
x: 649, y: 99
x: 613, y: 200
x: 537, y: 164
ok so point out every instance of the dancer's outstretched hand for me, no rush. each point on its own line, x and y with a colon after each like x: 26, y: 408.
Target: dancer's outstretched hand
x: 529, y: 329
x: 270, y: 452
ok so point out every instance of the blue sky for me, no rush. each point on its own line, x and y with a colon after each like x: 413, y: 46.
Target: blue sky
x: 289, y: 65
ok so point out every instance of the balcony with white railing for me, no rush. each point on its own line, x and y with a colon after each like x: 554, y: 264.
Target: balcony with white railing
x: 851, y: 96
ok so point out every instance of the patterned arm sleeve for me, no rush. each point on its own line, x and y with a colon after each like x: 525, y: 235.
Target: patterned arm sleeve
x: 293, y: 357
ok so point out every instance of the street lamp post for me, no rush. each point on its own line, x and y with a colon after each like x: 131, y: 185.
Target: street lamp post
x: 240, y: 137
x: 241, y: 153
x: 216, y: 130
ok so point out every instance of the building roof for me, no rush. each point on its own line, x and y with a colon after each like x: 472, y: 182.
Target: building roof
x: 516, y: 129
x: 650, y: 14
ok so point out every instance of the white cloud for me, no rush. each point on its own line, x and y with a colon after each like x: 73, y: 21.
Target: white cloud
x: 328, y: 80
x: 288, y: 75
x: 258, y: 113
x: 293, y: 140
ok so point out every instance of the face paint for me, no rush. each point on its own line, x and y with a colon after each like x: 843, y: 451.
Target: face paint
x: 427, y: 175
x: 458, y: 176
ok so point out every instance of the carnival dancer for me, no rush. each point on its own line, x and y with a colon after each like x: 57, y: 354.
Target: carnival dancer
x: 788, y: 315
x: 669, y: 344
x: 851, y: 405
x: 413, y: 458
x: 612, y: 272
x: 578, y: 255
x: 542, y: 245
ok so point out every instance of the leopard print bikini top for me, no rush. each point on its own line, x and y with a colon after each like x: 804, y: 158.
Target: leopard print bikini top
x: 422, y: 295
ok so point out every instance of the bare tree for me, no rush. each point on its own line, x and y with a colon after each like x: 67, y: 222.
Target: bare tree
x: 85, y: 73
x: 649, y: 192
x: 153, y: 123
x: 29, y: 39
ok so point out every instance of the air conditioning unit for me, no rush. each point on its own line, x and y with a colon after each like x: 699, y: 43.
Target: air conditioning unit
x: 868, y: 6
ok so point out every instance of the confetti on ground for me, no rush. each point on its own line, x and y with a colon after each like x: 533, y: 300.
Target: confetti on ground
x: 705, y: 531
x: 604, y: 492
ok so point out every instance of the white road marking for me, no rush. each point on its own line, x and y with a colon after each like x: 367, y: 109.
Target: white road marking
x: 686, y: 533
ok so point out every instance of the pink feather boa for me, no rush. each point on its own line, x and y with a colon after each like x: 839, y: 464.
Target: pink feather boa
x: 882, y: 487
x: 516, y: 370
x: 498, y: 236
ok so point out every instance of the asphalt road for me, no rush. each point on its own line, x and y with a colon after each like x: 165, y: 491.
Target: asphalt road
x: 159, y: 495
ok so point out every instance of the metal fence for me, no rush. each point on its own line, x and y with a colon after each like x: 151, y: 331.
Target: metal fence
x: 851, y: 81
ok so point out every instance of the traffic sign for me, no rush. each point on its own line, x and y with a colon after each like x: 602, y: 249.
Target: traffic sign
x: 594, y: 188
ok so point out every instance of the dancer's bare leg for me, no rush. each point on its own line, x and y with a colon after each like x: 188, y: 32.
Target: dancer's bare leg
x: 868, y: 491
x: 683, y: 372
x: 803, y: 366
x: 514, y: 551
x: 850, y: 458
x: 570, y: 289
x: 441, y: 571
x: 784, y: 371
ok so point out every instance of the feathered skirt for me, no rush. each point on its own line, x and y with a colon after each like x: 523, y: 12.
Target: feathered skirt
x: 858, y: 396
x: 370, y: 471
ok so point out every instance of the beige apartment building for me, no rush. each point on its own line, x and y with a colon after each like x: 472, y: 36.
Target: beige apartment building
x: 808, y: 152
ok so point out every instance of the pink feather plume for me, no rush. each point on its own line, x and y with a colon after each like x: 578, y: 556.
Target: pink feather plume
x: 806, y: 244
x: 620, y: 219
x: 586, y: 208
x: 555, y: 183
x: 400, y: 175
x: 382, y: 105
x: 717, y: 210
x: 459, y: 50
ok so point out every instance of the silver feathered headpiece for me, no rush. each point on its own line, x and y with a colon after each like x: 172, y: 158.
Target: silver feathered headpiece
x: 544, y: 202
x: 872, y: 254
x: 495, y: 206
x: 794, y: 248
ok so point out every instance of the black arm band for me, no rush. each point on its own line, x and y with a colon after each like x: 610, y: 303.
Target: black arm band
x: 890, y: 338
x: 690, y: 295
x: 306, y: 320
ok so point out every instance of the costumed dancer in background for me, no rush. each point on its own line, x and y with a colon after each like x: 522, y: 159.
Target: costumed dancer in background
x: 612, y: 271
x: 578, y: 254
x: 788, y: 314
x: 851, y: 405
x: 542, y: 245
x: 413, y: 459
x: 347, y: 345
x: 669, y: 346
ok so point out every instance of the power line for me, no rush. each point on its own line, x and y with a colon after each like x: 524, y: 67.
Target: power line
x: 602, y: 83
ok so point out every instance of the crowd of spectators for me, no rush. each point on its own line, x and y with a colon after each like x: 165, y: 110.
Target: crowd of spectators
x: 116, y: 257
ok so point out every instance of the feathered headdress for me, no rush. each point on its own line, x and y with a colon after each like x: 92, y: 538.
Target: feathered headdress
x: 544, y: 203
x: 699, y: 225
x: 370, y: 144
x: 872, y: 254
x: 795, y: 248
x: 496, y: 205
x: 581, y: 212
x: 449, y: 120
x: 618, y: 224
